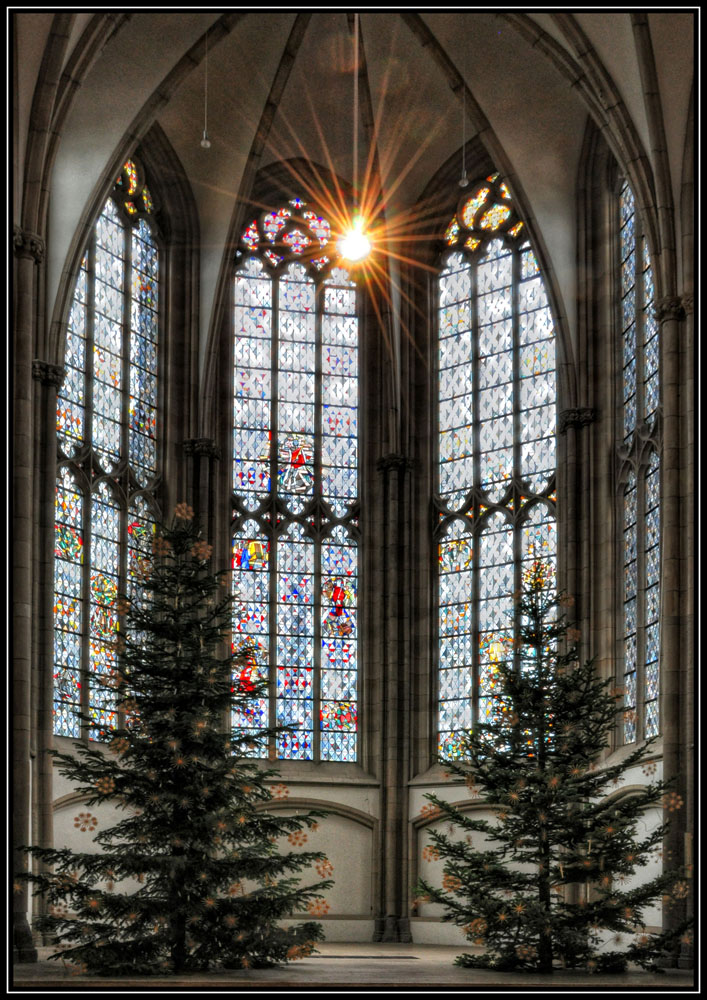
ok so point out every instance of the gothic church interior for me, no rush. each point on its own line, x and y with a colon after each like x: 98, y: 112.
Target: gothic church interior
x: 533, y: 171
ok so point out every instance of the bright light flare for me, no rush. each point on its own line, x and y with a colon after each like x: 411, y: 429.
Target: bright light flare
x: 355, y: 245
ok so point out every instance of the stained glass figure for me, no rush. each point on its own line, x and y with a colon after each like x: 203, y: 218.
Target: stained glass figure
x: 296, y: 447
x: 640, y: 506
x: 496, y: 418
x: 106, y: 424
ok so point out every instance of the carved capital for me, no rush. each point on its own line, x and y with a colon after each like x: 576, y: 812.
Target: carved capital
x: 577, y: 416
x: 204, y: 447
x: 688, y: 303
x: 671, y: 307
x: 47, y: 373
x: 27, y: 244
x: 393, y: 462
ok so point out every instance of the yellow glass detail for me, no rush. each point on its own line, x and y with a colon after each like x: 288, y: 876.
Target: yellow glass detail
x: 494, y: 217
x: 473, y: 205
x: 452, y: 231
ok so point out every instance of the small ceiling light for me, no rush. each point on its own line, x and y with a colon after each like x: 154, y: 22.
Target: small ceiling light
x: 205, y: 141
x: 355, y: 245
x: 464, y: 180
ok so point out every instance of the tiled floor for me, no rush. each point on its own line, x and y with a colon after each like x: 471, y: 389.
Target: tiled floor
x: 350, y: 967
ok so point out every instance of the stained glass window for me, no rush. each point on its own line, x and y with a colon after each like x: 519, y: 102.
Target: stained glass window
x: 496, y: 457
x: 105, y: 509
x: 640, y: 474
x: 295, y: 484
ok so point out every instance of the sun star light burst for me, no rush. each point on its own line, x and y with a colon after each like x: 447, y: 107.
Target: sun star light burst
x: 355, y: 244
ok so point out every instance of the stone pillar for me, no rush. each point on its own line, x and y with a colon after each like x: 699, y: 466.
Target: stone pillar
x: 575, y: 515
x: 392, y: 921
x: 201, y: 454
x: 29, y: 253
x: 575, y: 519
x: 687, y: 700
x: 670, y: 313
x: 48, y: 378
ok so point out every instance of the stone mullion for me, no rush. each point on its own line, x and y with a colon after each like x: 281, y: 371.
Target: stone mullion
x: 517, y: 451
x: 476, y: 488
x: 88, y: 498
x: 317, y: 581
x: 640, y: 602
x: 274, y: 500
x: 29, y: 251
x: 125, y: 429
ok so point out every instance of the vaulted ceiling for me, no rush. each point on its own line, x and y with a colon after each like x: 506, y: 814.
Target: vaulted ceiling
x: 281, y: 85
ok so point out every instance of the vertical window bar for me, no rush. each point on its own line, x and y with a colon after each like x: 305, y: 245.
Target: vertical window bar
x: 273, y: 659
x: 316, y: 671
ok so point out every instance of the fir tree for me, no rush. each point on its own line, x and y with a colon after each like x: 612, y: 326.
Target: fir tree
x: 210, y: 885
x: 551, y: 880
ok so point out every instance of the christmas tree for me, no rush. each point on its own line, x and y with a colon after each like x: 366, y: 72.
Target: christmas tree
x: 550, y: 883
x: 210, y: 885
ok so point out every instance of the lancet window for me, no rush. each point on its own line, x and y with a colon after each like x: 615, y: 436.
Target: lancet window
x: 496, y: 399
x: 108, y: 454
x: 295, y: 484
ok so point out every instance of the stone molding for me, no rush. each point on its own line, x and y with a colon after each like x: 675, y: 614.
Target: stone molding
x: 28, y: 244
x: 204, y: 447
x: 47, y: 373
x: 576, y: 416
x: 669, y: 308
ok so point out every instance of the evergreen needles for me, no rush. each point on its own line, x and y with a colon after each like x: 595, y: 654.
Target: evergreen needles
x: 551, y: 882
x: 192, y: 877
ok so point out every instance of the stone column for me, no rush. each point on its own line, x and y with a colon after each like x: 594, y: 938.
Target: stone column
x: 48, y: 378
x: 201, y: 454
x: 575, y: 519
x: 687, y: 701
x: 575, y: 516
x: 29, y: 253
x: 392, y: 922
x: 670, y: 313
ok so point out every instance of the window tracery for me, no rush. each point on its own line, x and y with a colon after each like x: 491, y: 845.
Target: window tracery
x: 295, y: 483
x: 105, y: 507
x: 495, y: 502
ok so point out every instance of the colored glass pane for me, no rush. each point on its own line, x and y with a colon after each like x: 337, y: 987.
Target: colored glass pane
x: 472, y: 206
x: 319, y: 226
x: 274, y: 222
x: 252, y: 380
x: 452, y: 233
x: 250, y: 563
x: 296, y: 240
x: 494, y: 217
x: 640, y: 350
x: 68, y: 604
x: 338, y: 626
x: 251, y: 237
